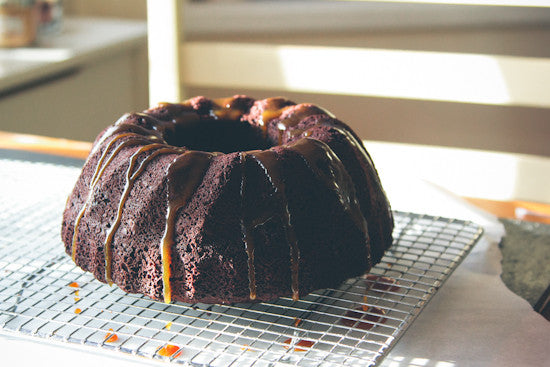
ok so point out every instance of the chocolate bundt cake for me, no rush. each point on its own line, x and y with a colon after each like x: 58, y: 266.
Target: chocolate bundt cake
x: 228, y: 200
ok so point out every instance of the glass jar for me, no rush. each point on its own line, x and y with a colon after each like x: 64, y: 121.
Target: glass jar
x: 18, y: 22
x: 50, y: 16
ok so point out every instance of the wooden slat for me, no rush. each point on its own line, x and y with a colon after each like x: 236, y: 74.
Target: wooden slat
x: 419, y: 75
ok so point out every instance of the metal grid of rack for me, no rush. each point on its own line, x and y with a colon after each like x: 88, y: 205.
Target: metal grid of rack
x: 43, y: 294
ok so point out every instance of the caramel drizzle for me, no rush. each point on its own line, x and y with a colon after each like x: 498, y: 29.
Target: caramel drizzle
x: 355, y: 141
x: 130, y: 179
x: 373, y: 180
x: 100, y: 169
x: 308, y: 147
x: 120, y: 127
x: 302, y: 111
x: 223, y: 109
x: 272, y: 110
x: 291, y: 121
x: 191, y: 167
x: 192, y: 162
x: 268, y: 162
x: 248, y: 242
x: 266, y: 116
x: 288, y: 125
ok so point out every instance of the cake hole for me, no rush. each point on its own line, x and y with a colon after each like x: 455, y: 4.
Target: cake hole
x: 224, y: 136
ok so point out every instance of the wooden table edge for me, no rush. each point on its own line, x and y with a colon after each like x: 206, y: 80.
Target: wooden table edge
x: 46, y: 145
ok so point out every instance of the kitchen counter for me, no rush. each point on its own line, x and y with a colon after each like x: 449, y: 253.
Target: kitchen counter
x: 472, y: 320
x: 68, y: 84
x: 82, y: 40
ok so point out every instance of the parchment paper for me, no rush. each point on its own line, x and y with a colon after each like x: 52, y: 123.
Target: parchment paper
x: 474, y: 319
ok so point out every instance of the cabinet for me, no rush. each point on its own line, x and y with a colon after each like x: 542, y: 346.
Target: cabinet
x: 76, y: 83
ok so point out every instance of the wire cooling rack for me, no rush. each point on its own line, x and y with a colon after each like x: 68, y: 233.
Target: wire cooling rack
x: 42, y: 293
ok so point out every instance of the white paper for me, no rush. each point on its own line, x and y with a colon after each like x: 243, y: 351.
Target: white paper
x: 473, y: 320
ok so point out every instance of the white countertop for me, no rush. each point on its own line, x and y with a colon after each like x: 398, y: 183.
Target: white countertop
x: 82, y: 40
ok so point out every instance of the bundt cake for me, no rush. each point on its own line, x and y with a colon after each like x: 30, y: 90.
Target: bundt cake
x: 227, y: 200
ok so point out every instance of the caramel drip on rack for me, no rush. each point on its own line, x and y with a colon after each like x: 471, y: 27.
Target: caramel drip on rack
x: 135, y: 139
x: 185, y: 174
x: 268, y: 161
x: 130, y: 179
x: 248, y: 241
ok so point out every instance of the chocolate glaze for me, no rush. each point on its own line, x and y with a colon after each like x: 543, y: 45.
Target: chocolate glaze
x: 247, y: 238
x: 131, y: 176
x: 294, y: 132
x: 268, y: 161
x: 184, y: 176
x: 134, y: 139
